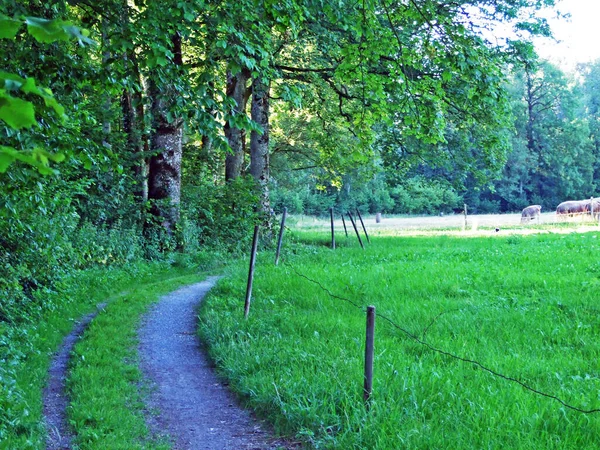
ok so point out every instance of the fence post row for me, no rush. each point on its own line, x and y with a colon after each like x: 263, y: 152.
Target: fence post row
x: 332, y: 229
x: 369, y: 350
x: 280, y: 237
x: 363, y: 225
x: 356, y: 230
x: 251, y: 272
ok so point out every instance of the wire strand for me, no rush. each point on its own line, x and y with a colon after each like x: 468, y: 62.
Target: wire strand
x: 420, y: 341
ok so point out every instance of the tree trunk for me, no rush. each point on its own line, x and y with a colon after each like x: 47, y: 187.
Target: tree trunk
x: 530, y: 113
x: 133, y: 125
x: 106, y: 102
x: 259, y: 146
x: 132, y: 107
x: 164, y: 180
x: 237, y: 90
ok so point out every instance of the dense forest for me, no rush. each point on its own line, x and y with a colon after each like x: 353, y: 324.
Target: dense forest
x: 134, y: 128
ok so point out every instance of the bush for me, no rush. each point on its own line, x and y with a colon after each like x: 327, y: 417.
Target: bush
x: 219, y: 216
x: 420, y: 196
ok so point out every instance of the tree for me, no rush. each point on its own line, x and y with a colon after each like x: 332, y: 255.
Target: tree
x: 556, y: 138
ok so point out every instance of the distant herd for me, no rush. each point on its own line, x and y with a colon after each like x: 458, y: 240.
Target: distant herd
x: 566, y: 209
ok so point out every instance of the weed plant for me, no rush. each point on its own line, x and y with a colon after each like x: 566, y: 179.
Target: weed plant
x: 523, y: 306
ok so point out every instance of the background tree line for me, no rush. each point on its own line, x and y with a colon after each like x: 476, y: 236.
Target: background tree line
x: 551, y: 155
x: 134, y: 128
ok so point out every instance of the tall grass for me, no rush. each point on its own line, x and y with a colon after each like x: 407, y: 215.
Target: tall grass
x: 525, y: 307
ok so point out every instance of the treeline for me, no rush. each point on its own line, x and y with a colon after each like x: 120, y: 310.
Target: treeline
x: 132, y: 129
x: 550, y: 154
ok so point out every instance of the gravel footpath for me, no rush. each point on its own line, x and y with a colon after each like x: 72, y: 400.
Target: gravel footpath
x: 194, y: 408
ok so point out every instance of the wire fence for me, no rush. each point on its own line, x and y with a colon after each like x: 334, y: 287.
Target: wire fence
x: 420, y: 340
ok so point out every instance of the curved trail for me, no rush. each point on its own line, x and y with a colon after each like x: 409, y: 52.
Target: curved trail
x: 194, y: 408
x: 54, y: 398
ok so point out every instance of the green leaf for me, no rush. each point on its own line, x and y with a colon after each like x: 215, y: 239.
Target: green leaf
x: 46, y: 31
x: 57, y: 107
x: 9, y: 27
x: 29, y: 87
x: 16, y: 113
x: 11, y: 81
x: 6, y: 157
x: 45, y: 156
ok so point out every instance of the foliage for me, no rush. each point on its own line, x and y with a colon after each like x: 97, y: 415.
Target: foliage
x: 219, y: 218
x: 419, y: 196
x: 19, y: 114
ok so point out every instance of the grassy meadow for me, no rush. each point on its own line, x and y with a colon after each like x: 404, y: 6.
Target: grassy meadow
x: 525, y: 307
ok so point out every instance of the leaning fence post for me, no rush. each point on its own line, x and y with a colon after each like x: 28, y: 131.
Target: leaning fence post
x: 369, y: 349
x: 251, y: 272
x: 332, y: 230
x: 344, y: 223
x: 363, y: 225
x: 356, y: 230
x: 280, y: 237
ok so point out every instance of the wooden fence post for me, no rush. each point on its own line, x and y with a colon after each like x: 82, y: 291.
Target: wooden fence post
x: 251, y: 272
x: 332, y: 229
x: 465, y: 213
x: 363, y: 225
x: 356, y: 230
x: 280, y: 237
x: 344, y: 223
x: 369, y: 350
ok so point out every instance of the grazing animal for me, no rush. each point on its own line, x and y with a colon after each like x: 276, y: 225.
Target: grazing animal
x: 595, y: 208
x: 530, y: 213
x: 572, y: 207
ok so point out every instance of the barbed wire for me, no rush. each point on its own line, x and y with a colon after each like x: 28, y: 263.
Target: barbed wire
x: 430, y: 347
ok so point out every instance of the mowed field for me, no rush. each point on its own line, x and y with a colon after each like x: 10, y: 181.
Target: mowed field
x: 453, y: 224
x: 487, y: 342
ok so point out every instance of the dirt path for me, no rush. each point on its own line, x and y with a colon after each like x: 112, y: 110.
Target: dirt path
x: 55, y: 398
x: 195, y: 409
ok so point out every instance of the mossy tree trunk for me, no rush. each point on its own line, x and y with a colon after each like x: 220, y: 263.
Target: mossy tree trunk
x: 238, y: 91
x: 164, y: 178
x: 259, y: 146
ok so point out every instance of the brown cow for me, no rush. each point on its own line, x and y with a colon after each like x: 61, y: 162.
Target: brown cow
x: 530, y: 213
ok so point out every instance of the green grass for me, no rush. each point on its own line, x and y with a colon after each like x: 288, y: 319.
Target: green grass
x: 105, y: 383
x: 27, y: 350
x: 524, y: 306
